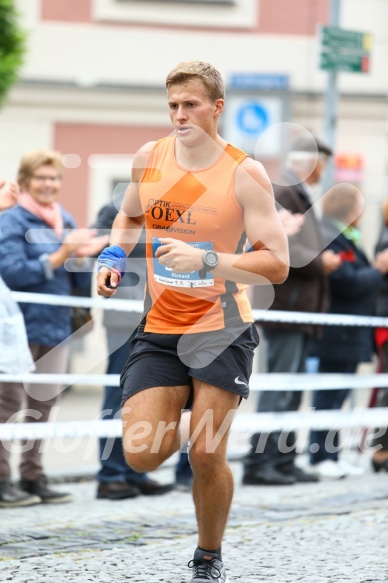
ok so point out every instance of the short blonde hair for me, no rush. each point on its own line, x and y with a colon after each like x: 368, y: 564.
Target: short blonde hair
x: 210, y: 77
x: 340, y: 204
x: 33, y: 160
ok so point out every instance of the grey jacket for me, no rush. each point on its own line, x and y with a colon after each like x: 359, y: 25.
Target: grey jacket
x: 306, y: 288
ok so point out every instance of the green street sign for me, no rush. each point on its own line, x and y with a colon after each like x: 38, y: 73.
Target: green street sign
x: 344, y: 50
x: 333, y: 38
x: 330, y: 61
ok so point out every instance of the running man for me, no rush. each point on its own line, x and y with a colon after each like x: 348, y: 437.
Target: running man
x: 201, y: 201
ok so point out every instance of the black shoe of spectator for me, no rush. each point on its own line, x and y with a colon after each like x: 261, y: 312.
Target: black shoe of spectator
x: 299, y: 474
x: 150, y: 487
x: 268, y: 477
x: 12, y: 497
x: 118, y: 490
x: 378, y: 465
x: 184, y: 484
x: 39, y: 488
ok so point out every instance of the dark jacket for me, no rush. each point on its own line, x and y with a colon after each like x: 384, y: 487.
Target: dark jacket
x: 24, y: 266
x: 382, y: 295
x: 353, y: 288
x: 305, y: 289
x: 133, y: 283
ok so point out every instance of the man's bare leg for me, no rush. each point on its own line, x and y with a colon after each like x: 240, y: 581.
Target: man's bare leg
x: 213, y: 480
x: 152, y: 426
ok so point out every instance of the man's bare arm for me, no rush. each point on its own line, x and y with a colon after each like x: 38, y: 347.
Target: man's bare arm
x: 268, y: 261
x: 263, y: 226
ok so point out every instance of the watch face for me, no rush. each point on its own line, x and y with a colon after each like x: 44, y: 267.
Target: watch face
x: 210, y: 259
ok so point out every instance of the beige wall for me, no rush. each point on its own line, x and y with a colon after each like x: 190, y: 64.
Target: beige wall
x: 133, y: 50
x: 117, y: 122
x: 75, y: 45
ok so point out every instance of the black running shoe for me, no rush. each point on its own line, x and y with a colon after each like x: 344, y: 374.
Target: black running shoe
x: 207, y: 568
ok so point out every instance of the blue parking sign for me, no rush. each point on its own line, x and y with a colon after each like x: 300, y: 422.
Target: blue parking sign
x: 253, y: 123
x: 252, y: 118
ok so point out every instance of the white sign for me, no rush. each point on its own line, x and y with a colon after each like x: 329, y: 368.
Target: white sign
x: 247, y: 118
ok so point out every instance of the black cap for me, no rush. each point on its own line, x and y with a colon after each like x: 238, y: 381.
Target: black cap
x: 312, y: 144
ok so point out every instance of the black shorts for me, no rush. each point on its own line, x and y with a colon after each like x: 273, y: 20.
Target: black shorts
x: 222, y: 358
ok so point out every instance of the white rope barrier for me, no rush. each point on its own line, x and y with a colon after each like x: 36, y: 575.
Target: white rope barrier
x: 244, y: 423
x: 315, y: 382
x: 258, y: 381
x: 310, y: 419
x: 319, y: 319
x: 77, y: 301
x: 111, y: 380
x: 259, y: 315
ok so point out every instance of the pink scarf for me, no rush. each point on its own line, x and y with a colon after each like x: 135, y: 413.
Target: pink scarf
x: 50, y: 214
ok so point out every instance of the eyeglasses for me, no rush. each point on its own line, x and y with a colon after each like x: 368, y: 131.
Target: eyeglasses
x: 40, y: 178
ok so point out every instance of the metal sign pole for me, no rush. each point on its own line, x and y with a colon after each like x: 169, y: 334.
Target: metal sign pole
x: 331, y: 104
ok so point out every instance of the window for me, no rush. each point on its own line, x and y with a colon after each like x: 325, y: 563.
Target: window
x: 196, y: 13
x: 189, y: 1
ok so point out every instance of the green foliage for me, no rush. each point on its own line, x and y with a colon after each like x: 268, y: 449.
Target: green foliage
x: 12, y: 46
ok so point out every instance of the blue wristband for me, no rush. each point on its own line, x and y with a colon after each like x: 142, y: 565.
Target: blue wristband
x: 113, y: 257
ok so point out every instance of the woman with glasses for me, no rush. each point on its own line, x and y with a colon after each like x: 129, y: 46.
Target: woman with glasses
x: 36, y: 240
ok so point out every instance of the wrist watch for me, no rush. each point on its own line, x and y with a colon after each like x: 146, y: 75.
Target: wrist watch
x: 210, y: 261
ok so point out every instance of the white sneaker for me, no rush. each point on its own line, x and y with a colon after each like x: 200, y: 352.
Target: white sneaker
x: 350, y: 469
x: 329, y: 470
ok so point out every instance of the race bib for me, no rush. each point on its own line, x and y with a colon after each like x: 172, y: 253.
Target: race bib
x: 165, y: 275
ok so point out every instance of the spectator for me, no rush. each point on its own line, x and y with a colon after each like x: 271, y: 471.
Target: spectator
x: 34, y: 244
x: 380, y: 456
x: 15, y: 355
x: 353, y: 288
x: 271, y: 460
x: 116, y: 480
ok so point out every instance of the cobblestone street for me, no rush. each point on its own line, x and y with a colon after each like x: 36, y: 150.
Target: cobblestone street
x: 330, y: 532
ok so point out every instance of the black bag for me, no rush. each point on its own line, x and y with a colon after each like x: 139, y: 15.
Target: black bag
x: 81, y: 318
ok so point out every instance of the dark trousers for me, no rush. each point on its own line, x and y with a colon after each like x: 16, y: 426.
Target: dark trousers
x: 382, y: 400
x: 113, y: 466
x: 382, y: 440
x: 34, y: 402
x: 324, y: 445
x: 286, y: 352
x: 183, y: 469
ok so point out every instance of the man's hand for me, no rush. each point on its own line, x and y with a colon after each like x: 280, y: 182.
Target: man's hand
x: 8, y: 194
x: 331, y: 261
x: 179, y: 256
x: 107, y: 282
x: 92, y: 247
x: 381, y: 262
x: 77, y: 238
x: 112, y: 263
x: 292, y: 222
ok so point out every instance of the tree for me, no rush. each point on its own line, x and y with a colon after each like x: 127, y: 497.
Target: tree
x: 12, y: 46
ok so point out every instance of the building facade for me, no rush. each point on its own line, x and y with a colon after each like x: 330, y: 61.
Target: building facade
x: 92, y: 85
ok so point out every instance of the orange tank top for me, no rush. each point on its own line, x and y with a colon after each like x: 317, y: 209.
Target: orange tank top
x: 199, y: 208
